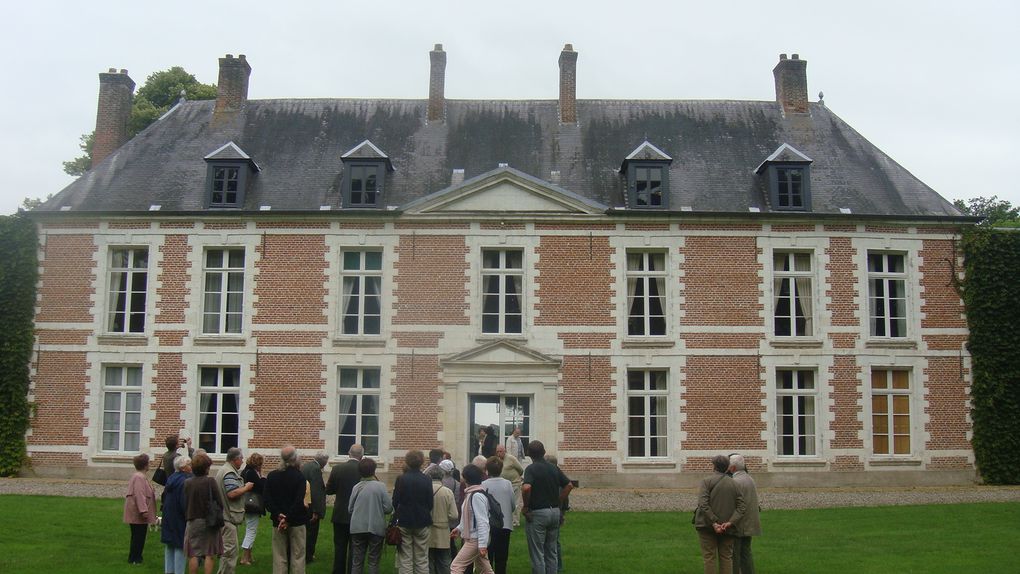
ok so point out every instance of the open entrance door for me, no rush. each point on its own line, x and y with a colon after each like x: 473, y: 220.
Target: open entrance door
x: 500, y: 413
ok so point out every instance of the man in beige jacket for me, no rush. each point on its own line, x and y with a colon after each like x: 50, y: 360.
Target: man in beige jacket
x: 720, y: 509
x: 750, y: 524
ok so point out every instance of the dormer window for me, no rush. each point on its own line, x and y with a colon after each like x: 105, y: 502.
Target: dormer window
x: 365, y: 168
x: 227, y: 176
x: 647, y: 172
x: 788, y: 172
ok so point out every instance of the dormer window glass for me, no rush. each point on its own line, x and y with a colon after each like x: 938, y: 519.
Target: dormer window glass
x: 790, y: 187
x: 224, y: 186
x: 365, y: 185
x: 648, y: 187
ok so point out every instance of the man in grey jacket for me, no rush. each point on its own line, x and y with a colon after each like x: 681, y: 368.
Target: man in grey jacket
x: 312, y: 471
x: 720, y: 509
x: 233, y: 488
x: 750, y: 524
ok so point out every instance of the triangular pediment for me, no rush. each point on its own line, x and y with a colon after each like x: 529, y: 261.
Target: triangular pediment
x: 785, y: 153
x: 505, y: 190
x: 501, y: 353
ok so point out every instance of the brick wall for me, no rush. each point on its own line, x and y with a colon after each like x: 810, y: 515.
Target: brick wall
x: 724, y: 398
x: 173, y: 276
x: 431, y: 276
x: 842, y: 282
x: 941, y: 306
x: 287, y: 393
x: 575, y: 281
x: 722, y: 284
x: 414, y: 417
x: 290, y: 279
x: 168, y: 382
x: 845, y: 395
x: 59, y: 388
x: 947, y: 426
x: 67, y: 279
x: 587, y: 403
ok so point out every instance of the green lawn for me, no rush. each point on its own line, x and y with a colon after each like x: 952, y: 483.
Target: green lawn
x: 56, y: 535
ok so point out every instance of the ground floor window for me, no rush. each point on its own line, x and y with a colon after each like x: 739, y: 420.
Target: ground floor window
x: 795, y: 412
x: 890, y: 411
x: 359, y: 409
x: 219, y: 398
x: 647, y: 413
x: 122, y: 408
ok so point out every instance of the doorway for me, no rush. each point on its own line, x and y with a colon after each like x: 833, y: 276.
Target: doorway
x: 501, y: 413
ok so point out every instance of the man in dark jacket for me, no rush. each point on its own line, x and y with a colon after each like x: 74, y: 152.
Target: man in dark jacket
x: 285, y: 501
x: 342, y: 479
x: 412, y: 503
x: 312, y: 470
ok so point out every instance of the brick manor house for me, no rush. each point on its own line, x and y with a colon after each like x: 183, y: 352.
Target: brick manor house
x: 639, y: 284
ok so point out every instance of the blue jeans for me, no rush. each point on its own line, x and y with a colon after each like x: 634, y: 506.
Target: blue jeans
x: 174, y: 559
x: 543, y: 532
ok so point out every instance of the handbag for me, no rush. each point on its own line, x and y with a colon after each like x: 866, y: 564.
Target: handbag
x: 159, y: 477
x: 214, y: 512
x: 393, y: 535
x: 253, y: 503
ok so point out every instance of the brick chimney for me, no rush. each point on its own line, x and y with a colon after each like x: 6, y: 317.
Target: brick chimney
x: 116, y: 91
x: 568, y: 85
x: 791, y: 84
x: 232, y: 88
x: 437, y: 85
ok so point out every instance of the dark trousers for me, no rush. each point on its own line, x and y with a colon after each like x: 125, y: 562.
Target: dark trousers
x: 311, y: 537
x: 499, y: 549
x: 138, y: 532
x: 341, y: 548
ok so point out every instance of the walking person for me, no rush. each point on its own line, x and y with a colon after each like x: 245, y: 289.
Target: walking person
x: 175, y: 518
x: 313, y: 474
x: 139, y: 507
x: 342, y: 479
x: 502, y: 490
x: 720, y: 507
x: 412, y: 503
x: 285, y: 502
x: 750, y: 524
x: 253, y: 514
x: 233, y: 489
x: 200, y: 541
x: 474, y: 525
x: 545, y: 488
x: 368, y: 506
x: 444, y: 518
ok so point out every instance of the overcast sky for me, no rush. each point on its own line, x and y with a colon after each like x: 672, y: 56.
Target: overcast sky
x: 934, y: 84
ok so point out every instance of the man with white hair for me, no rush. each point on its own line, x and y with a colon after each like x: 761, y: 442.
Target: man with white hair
x: 312, y: 470
x: 285, y: 502
x: 750, y: 524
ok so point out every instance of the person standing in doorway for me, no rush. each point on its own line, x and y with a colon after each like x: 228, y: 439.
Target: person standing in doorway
x: 514, y: 444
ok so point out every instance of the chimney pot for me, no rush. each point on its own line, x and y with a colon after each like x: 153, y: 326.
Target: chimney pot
x: 795, y: 57
x: 123, y: 71
x: 568, y: 85
x: 782, y: 56
x: 116, y: 91
x: 791, y: 84
x: 437, y: 85
x: 232, y: 87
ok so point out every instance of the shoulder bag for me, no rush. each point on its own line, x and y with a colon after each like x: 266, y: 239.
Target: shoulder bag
x: 393, y: 536
x: 159, y: 477
x: 214, y: 512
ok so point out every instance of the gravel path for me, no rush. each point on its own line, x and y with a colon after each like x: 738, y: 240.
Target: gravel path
x: 618, y: 500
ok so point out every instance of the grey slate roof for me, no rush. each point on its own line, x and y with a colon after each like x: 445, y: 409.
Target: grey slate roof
x: 715, y: 145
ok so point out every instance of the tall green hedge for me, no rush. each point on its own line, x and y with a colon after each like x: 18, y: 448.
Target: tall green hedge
x: 991, y: 292
x: 18, y: 273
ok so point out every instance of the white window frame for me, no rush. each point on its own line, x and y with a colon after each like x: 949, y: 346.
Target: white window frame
x: 889, y: 395
x: 795, y: 294
x: 798, y: 394
x: 120, y: 302
x: 887, y: 278
x: 121, y: 411
x: 503, y: 272
x: 648, y: 396
x: 219, y: 389
x: 358, y: 394
x: 361, y: 276
x: 224, y: 293
x: 645, y: 277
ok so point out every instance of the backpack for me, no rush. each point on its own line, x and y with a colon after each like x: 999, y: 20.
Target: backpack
x: 495, y: 512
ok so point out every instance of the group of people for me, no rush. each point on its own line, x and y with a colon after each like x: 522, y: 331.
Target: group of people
x: 447, y: 518
x: 727, y: 517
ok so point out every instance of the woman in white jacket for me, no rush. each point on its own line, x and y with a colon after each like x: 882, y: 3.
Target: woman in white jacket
x: 474, y: 525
